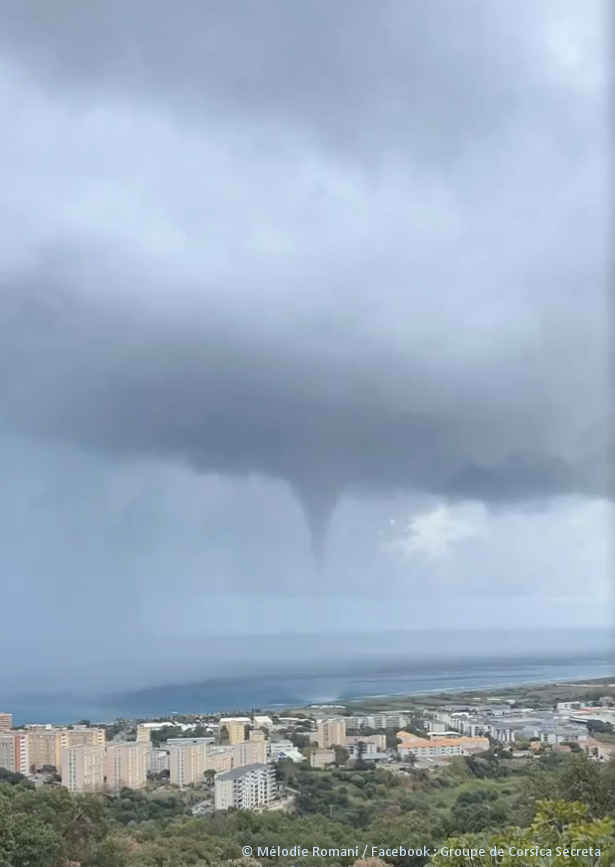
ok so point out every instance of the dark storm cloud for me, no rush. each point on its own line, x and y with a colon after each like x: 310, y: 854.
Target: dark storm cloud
x: 437, y: 78
x: 443, y: 332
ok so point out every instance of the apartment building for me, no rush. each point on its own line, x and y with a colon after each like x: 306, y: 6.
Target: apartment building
x: 84, y: 736
x: 15, y: 752
x: 330, y: 733
x: 6, y: 721
x: 563, y: 735
x: 157, y: 761
x: 244, y: 788
x: 322, y: 758
x: 45, y: 747
x: 436, y: 726
x: 219, y: 759
x: 277, y: 747
x: 236, y: 733
x: 187, y: 764
x: 430, y: 748
x: 377, y: 742
x: 362, y: 750
x: 126, y: 765
x: 144, y: 734
x: 258, y: 742
x: 386, y: 720
x: 82, y: 768
x: 248, y: 752
x: 235, y: 727
x: 227, y: 720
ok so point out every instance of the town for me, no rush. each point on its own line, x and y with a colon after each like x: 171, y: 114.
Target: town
x: 233, y: 761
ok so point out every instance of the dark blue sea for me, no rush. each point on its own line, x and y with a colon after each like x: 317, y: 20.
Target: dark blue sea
x: 276, y: 692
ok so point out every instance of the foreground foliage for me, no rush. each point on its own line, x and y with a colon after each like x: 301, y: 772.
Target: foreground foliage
x: 557, y: 803
x: 561, y: 834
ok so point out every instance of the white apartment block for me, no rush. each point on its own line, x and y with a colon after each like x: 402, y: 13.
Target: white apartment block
x: 330, y: 733
x: 262, y: 721
x: 245, y: 788
x: 6, y: 721
x: 275, y: 748
x: 387, y: 720
x: 83, y: 768
x: 365, y: 750
x: 15, y: 751
x: 126, y: 765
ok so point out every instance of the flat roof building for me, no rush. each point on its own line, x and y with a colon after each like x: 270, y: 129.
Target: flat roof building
x: 245, y: 788
x: 126, y: 765
x: 187, y: 764
x: 15, y: 752
x: 83, y: 768
x: 331, y: 733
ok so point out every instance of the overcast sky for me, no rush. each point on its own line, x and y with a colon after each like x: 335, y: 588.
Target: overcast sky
x: 304, y: 321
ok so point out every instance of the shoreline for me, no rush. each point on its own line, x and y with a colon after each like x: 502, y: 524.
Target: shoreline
x: 358, y: 703
x: 346, y: 703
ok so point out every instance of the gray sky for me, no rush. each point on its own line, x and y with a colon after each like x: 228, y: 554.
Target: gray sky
x: 272, y: 271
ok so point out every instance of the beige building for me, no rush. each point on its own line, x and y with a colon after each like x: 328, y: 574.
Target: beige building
x: 259, y: 747
x: 245, y: 788
x: 236, y: 732
x: 15, y: 752
x: 321, y: 758
x: 144, y: 734
x: 46, y: 747
x: 330, y: 733
x: 6, y: 721
x: 83, y: 736
x: 424, y: 748
x: 187, y: 764
x: 46, y: 743
x: 252, y: 752
x: 219, y: 758
x: 126, y: 766
x: 83, y: 768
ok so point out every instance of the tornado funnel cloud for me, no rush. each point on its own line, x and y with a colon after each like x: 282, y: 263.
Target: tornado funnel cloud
x: 318, y: 503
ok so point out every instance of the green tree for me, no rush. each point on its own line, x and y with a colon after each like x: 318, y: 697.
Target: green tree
x: 7, y: 835
x: 561, y: 834
x: 341, y: 755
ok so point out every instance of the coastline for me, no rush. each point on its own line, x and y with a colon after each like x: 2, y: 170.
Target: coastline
x: 359, y: 694
x: 572, y: 681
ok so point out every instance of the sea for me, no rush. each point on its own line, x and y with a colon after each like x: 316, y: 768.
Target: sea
x: 271, y: 693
